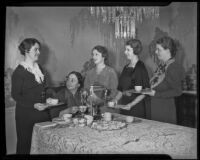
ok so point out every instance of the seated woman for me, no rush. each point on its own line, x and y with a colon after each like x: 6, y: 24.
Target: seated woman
x: 70, y: 95
x: 101, y: 74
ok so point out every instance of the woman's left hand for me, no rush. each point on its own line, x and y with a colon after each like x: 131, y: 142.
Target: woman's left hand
x: 127, y: 94
x: 40, y: 106
x: 74, y: 109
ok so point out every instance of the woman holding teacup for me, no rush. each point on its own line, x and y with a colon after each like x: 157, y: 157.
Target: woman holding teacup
x: 28, y: 85
x: 134, y: 76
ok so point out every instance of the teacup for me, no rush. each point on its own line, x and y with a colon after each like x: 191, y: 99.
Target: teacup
x: 111, y: 104
x: 129, y: 119
x: 138, y: 88
x: 52, y: 101
x: 82, y: 108
x: 107, y: 116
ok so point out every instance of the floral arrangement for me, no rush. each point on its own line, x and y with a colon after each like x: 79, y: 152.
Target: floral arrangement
x: 9, y: 101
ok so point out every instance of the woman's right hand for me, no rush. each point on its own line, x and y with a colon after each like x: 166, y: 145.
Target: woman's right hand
x: 74, y: 109
x: 84, y: 93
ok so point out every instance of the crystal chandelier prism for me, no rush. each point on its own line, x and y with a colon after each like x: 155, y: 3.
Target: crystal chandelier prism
x: 124, y: 18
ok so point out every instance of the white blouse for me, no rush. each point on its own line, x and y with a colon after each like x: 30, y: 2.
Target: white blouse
x: 39, y: 77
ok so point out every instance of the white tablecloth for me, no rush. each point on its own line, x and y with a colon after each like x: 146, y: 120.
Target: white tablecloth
x: 145, y: 137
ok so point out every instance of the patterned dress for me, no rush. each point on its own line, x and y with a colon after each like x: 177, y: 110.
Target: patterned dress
x: 167, y: 84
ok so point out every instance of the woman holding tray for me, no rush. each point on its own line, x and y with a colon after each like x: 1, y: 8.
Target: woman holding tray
x: 133, y: 74
x: 28, y: 84
x: 166, y: 82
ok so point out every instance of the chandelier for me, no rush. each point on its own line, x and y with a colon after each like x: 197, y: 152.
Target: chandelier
x: 124, y: 18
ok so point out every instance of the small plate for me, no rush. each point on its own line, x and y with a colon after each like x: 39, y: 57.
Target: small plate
x: 52, y: 105
x: 123, y: 119
x: 59, y: 121
x: 143, y: 91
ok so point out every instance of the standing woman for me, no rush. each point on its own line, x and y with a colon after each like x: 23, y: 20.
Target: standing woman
x: 28, y: 83
x: 133, y: 74
x: 101, y: 74
x: 166, y: 82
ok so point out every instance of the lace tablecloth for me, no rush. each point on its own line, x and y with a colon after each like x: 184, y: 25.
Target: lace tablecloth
x: 144, y: 137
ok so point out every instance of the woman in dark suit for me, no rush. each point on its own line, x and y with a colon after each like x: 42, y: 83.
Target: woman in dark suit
x: 28, y: 84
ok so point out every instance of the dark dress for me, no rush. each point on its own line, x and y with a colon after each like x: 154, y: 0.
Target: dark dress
x: 64, y: 95
x: 26, y: 92
x: 129, y: 78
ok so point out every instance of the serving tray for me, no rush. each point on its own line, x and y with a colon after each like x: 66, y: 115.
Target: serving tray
x: 47, y: 105
x: 102, y: 125
x: 143, y: 91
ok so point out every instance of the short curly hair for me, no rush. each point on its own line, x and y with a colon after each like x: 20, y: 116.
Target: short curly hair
x: 136, y: 45
x: 26, y: 45
x: 79, y: 77
x: 168, y: 43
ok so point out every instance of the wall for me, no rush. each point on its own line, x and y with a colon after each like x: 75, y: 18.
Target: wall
x: 51, y: 25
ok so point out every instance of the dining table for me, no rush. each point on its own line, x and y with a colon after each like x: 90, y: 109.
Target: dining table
x: 142, y: 136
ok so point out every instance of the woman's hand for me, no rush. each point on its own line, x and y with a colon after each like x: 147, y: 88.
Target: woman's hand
x: 150, y: 93
x: 40, y: 106
x: 84, y: 93
x: 127, y: 107
x: 93, y: 97
x: 74, y: 109
x: 65, y: 111
x: 127, y: 93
